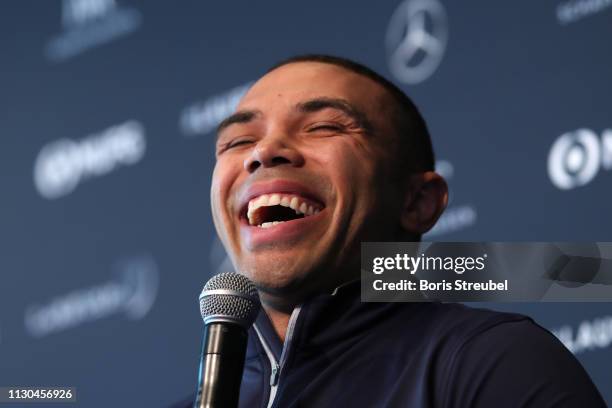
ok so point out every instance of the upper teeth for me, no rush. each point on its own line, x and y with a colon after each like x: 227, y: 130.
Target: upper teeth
x: 297, y: 203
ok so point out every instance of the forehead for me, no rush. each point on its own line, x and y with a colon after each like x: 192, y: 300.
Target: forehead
x: 294, y: 82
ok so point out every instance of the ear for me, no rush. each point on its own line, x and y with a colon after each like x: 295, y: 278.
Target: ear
x: 425, y: 199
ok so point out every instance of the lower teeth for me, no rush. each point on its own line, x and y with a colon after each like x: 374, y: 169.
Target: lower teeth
x: 270, y: 224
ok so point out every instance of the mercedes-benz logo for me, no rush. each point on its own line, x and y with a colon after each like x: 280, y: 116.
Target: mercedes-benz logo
x: 416, y: 40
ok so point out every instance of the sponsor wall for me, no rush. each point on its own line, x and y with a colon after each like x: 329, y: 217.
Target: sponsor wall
x: 106, y: 151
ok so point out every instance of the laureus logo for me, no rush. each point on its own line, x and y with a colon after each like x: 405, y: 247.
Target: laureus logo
x: 89, y: 23
x: 131, y: 292
x: 576, y: 157
x: 416, y: 40
x: 202, y: 117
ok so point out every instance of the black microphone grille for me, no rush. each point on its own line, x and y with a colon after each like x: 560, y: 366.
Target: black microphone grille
x: 229, y: 297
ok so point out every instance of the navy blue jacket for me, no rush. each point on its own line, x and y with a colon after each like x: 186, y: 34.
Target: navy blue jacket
x: 340, y: 352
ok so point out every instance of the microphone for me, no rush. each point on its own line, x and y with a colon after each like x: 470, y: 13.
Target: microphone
x: 229, y: 304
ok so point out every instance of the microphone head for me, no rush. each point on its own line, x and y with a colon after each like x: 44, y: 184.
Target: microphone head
x: 229, y: 297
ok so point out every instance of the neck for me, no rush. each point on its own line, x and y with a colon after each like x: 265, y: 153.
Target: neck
x: 279, y: 309
x: 279, y: 319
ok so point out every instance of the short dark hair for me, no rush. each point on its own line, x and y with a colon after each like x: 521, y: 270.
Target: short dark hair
x: 410, y: 126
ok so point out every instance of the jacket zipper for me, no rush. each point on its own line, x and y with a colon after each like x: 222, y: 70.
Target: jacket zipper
x: 275, y: 366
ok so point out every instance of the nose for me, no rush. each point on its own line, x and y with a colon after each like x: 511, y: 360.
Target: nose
x: 271, y: 152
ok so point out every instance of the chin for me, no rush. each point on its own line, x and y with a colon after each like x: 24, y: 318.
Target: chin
x: 279, y: 277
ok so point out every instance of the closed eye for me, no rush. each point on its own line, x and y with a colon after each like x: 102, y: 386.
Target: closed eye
x: 331, y: 127
x: 238, y: 143
x: 233, y: 144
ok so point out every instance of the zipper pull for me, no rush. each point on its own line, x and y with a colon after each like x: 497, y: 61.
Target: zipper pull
x: 274, y: 375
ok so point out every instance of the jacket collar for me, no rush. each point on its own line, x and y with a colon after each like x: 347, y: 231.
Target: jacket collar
x: 328, y: 318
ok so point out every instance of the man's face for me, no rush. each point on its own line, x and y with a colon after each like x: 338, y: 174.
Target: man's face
x: 303, y: 175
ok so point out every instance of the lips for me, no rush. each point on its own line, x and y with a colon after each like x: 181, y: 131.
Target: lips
x: 278, y: 210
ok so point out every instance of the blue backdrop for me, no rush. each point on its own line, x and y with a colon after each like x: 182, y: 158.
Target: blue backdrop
x: 106, y: 125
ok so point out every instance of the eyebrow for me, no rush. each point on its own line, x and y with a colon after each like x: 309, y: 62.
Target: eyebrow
x: 310, y: 106
x: 244, y: 116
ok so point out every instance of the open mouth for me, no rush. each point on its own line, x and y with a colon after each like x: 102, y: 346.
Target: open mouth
x: 268, y: 210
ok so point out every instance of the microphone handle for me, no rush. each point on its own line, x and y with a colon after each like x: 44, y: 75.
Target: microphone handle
x: 221, y: 366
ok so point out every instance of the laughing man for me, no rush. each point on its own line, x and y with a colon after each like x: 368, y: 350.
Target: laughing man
x: 321, y: 154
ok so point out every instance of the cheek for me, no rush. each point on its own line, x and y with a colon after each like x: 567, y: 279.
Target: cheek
x: 220, y: 188
x: 215, y: 200
x: 348, y: 160
x: 352, y: 171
